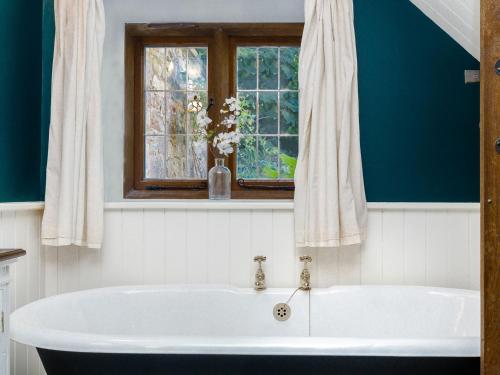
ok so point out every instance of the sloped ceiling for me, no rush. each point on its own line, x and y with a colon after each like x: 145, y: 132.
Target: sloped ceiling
x: 459, y: 18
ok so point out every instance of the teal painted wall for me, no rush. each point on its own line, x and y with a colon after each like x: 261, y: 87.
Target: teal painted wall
x: 48, y: 24
x: 419, y: 121
x: 20, y: 92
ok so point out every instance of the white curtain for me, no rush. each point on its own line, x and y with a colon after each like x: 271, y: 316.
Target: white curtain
x: 330, y: 203
x: 74, y: 189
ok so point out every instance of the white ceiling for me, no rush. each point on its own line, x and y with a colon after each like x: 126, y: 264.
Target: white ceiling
x: 459, y: 18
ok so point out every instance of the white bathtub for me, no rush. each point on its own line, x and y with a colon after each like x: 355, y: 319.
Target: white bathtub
x: 344, y: 321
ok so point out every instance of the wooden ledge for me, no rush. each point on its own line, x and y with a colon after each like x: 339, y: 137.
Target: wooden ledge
x: 8, y: 254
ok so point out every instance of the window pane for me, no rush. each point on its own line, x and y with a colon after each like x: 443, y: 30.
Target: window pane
x: 268, y: 68
x: 176, y: 156
x: 176, y: 66
x: 173, y: 78
x: 246, y: 121
x: 267, y: 152
x: 289, y: 68
x: 200, y: 96
x: 176, y: 112
x: 155, y: 69
x: 155, y: 157
x: 247, y: 157
x: 268, y: 113
x: 289, y: 149
x: 197, y: 69
x: 155, y: 113
x: 247, y: 68
x: 270, y: 146
x: 289, y: 112
x: 197, y: 158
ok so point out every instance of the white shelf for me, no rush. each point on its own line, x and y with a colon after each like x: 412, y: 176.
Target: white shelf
x: 277, y: 205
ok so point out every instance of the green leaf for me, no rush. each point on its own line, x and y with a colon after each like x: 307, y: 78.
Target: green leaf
x: 270, y: 172
x: 291, y: 164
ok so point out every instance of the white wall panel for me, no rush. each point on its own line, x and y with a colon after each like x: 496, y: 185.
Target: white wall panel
x: 427, y: 244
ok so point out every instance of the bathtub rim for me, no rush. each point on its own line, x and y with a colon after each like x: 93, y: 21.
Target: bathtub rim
x: 61, y: 340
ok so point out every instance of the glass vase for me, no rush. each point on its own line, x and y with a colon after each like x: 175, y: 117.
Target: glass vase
x: 219, y: 181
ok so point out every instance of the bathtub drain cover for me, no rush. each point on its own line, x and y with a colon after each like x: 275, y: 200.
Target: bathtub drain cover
x: 282, y: 312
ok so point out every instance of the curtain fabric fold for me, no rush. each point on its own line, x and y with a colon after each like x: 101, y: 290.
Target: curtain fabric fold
x: 74, y: 196
x: 330, y: 203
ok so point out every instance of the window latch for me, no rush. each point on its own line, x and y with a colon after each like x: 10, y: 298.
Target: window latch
x: 257, y: 186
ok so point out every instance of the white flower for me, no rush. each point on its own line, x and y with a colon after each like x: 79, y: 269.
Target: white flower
x: 229, y: 121
x: 225, y: 148
x: 202, y: 119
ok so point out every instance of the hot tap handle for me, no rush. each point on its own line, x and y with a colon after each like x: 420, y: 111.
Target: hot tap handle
x: 259, y: 258
x: 306, y: 259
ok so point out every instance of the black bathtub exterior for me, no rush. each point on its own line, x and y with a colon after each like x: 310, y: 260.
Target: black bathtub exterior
x: 71, y: 363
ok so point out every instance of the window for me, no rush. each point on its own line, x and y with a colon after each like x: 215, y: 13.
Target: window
x: 172, y: 68
x: 174, y: 77
x: 267, y: 82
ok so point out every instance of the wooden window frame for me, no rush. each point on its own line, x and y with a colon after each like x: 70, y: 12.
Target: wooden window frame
x: 222, y: 41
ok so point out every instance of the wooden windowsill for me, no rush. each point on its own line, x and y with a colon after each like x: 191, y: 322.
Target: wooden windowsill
x: 9, y: 254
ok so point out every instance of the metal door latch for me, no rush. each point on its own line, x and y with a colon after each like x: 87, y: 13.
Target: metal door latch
x: 497, y: 145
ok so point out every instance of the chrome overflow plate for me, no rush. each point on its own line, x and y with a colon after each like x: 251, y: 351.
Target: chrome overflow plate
x: 282, y: 312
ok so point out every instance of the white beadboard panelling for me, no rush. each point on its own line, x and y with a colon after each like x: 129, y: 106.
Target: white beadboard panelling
x: 349, y: 265
x: 327, y: 266
x: 133, y: 250
x: 175, y: 246
x: 423, y: 244
x: 285, y: 260
x: 458, y: 249
x: 153, y: 247
x: 371, y: 256
x: 89, y: 262
x: 197, y: 247
x: 69, y: 269
x: 262, y: 240
x: 474, y: 250
x: 414, y: 242
x: 436, y: 249
x: 22, y: 229
x: 460, y: 19
x: 240, y: 262
x: 393, y: 258
x: 218, y: 248
x: 112, y: 262
x: 49, y: 255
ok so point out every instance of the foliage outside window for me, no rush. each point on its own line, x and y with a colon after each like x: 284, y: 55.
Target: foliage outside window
x: 268, y: 86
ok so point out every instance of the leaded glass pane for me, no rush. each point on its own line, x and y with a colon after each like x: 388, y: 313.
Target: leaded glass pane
x: 155, y: 113
x: 268, y: 113
x: 155, y: 157
x: 289, y: 112
x: 247, y: 157
x: 174, y: 76
x: 289, y: 68
x: 268, y: 68
x: 268, y: 88
x: 247, y: 68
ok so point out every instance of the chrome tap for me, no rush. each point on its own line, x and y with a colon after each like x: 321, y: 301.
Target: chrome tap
x: 260, y: 277
x: 305, y: 276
